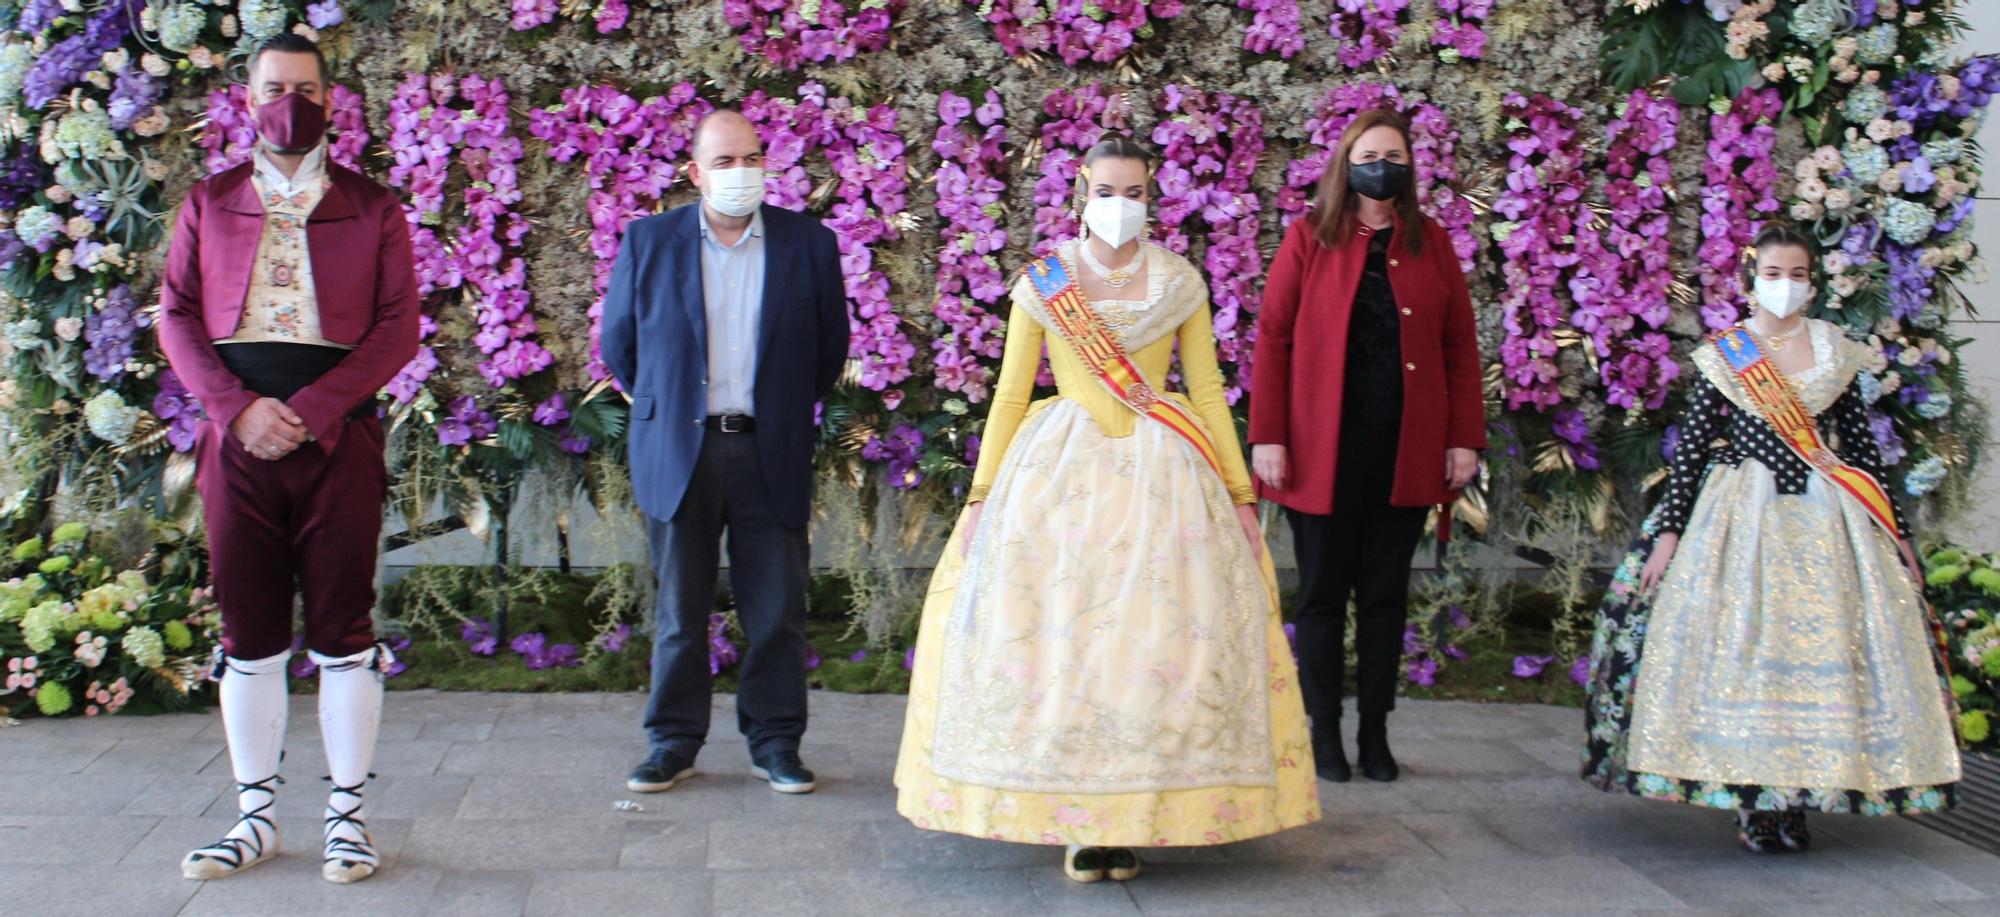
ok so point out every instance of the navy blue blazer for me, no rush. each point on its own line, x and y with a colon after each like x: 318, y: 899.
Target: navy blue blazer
x: 655, y: 341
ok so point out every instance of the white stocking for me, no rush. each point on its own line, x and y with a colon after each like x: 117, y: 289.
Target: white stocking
x: 253, y: 719
x: 350, y: 716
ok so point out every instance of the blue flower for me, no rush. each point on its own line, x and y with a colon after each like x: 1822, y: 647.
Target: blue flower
x: 1925, y: 477
x: 1936, y: 407
x: 1865, y: 103
x: 1877, y: 45
x: 37, y: 226
x: 1865, y: 161
x: 1944, y: 151
x: 1871, y: 387
x: 1908, y: 222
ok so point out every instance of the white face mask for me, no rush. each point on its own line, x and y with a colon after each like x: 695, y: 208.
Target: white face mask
x: 733, y: 192
x: 1782, y: 296
x: 1116, y: 220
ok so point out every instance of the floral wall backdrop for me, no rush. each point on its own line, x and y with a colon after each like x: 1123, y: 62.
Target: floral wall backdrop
x: 1599, y: 167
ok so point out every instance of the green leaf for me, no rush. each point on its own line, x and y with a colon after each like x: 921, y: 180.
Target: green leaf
x: 517, y: 439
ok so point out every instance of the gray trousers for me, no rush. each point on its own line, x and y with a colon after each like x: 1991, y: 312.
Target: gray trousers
x: 768, y: 566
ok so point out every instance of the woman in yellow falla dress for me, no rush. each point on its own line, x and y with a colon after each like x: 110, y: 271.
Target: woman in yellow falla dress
x: 1101, y: 663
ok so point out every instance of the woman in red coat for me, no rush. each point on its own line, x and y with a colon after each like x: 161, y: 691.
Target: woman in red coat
x: 1365, y: 411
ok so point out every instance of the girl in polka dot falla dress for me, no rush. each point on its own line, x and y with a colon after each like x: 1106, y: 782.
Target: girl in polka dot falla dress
x: 1764, y: 648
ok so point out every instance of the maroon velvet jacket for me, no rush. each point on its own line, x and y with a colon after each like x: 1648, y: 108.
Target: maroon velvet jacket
x: 1301, y: 363
x: 363, y: 276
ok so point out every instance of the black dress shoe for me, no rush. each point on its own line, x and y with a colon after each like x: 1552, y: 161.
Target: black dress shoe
x: 659, y: 772
x: 1792, y: 831
x: 1372, y: 741
x: 784, y: 771
x: 1330, y: 756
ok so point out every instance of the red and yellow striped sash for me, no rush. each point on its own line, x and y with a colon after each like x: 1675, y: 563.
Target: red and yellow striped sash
x: 1778, y: 402
x: 1105, y: 356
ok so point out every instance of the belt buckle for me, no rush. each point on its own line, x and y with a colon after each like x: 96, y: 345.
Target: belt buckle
x: 730, y: 423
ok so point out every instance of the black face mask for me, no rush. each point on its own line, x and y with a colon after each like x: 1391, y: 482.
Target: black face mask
x: 1382, y: 180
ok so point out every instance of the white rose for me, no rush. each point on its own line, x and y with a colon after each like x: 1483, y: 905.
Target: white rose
x: 1805, y: 210
x: 1838, y: 199
x: 155, y: 65
x: 1827, y: 158
x: 1774, y: 71
x: 1880, y: 130
x: 1806, y: 169
x: 1891, y: 382
x: 1891, y: 181
x: 153, y: 124
x: 116, y: 61
x: 1846, y: 285
x: 58, y: 194
x: 1910, y: 356
x: 1835, y: 262
x: 1811, y: 189
x: 79, y: 227
x: 1904, y: 128
x: 1948, y: 86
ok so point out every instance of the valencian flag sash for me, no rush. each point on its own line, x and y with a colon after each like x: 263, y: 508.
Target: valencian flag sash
x: 1778, y: 402
x: 1106, y: 358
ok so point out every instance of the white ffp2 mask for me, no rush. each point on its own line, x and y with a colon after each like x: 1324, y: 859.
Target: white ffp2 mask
x: 1116, y: 220
x: 734, y: 192
x: 1782, y: 296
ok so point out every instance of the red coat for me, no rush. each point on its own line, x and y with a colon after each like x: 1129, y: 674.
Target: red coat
x: 363, y: 277
x: 1301, y: 364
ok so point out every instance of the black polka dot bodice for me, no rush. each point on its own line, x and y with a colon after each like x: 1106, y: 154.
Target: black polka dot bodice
x: 1717, y: 432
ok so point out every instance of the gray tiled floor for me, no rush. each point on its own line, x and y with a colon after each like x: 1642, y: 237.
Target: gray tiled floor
x: 504, y: 804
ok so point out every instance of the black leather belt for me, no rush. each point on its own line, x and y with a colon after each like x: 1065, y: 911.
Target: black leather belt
x: 732, y: 423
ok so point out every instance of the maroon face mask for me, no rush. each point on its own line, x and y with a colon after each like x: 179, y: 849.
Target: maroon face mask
x: 291, y: 123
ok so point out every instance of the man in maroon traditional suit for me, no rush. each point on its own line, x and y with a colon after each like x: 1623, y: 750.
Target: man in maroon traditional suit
x: 289, y: 301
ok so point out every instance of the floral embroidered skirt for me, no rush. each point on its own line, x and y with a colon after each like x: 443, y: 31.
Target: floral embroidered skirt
x: 1783, y: 662
x: 1106, y: 666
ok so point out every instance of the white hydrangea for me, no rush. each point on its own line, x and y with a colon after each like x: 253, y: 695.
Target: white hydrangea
x: 36, y: 225
x: 143, y: 645
x: 110, y: 418
x: 180, y: 25
x: 261, y: 19
x: 83, y: 134
x: 15, y: 59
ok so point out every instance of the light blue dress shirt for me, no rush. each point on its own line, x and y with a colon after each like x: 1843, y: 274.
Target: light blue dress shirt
x: 732, y: 292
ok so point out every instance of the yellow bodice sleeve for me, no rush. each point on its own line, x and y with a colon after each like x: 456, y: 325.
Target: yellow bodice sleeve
x: 1074, y: 381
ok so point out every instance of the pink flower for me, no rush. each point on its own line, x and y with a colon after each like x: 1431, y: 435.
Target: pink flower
x: 1228, y: 812
x: 1072, y: 816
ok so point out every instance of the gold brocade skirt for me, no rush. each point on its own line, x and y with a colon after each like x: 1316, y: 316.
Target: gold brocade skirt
x: 1788, y: 647
x: 1106, y: 667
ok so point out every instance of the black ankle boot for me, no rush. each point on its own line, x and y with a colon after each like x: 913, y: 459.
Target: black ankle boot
x: 1330, y: 755
x: 1372, y: 741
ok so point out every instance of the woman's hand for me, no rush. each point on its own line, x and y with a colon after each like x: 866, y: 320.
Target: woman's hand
x: 1656, y: 563
x: 1272, y: 463
x: 1246, y: 513
x: 969, y: 527
x: 1460, y: 467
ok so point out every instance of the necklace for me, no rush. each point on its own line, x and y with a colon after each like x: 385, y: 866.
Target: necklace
x: 1115, y: 279
x: 1780, y: 341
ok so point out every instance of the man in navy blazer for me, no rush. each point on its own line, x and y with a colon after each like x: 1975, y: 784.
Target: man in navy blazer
x: 726, y: 322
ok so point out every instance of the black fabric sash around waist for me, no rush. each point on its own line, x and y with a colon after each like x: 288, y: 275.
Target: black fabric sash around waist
x: 279, y: 370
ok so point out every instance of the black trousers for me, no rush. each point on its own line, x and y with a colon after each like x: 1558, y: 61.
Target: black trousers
x: 768, y: 566
x: 1362, y: 550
